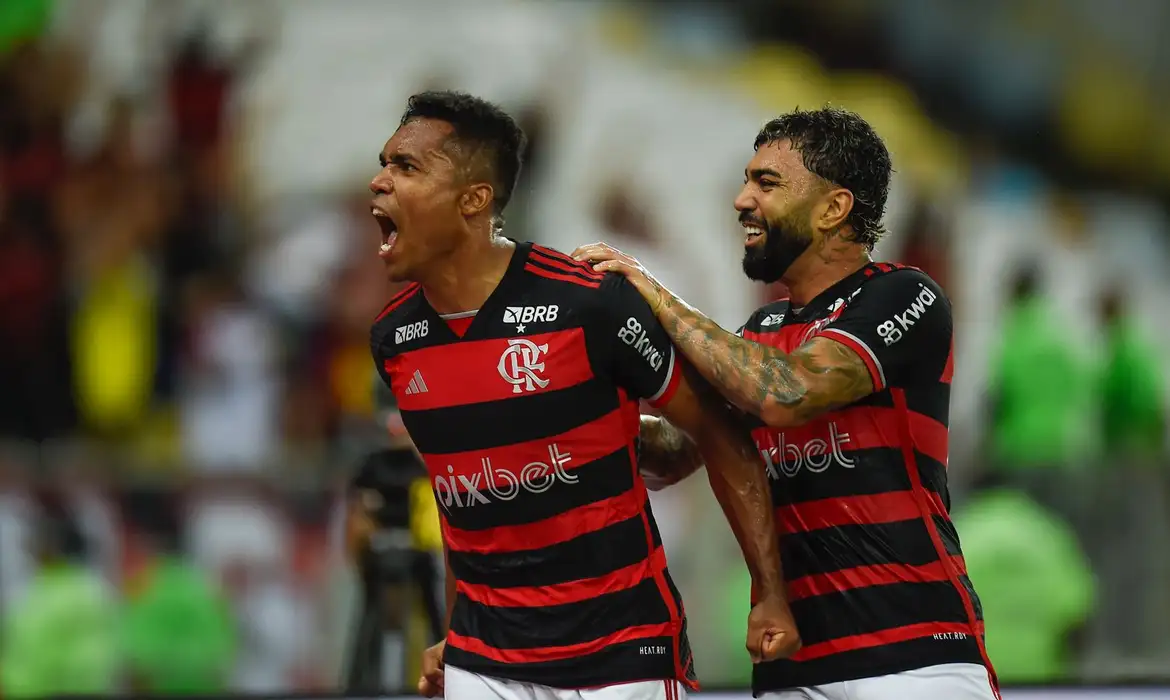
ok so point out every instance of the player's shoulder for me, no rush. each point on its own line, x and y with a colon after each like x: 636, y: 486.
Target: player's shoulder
x: 895, y: 277
x: 768, y: 317
x: 574, y: 281
x: 397, y: 317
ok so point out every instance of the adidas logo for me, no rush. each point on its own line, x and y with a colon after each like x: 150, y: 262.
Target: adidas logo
x: 416, y: 385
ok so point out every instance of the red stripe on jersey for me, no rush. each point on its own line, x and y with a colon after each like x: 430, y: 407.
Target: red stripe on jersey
x: 562, y: 527
x: 397, y: 299
x: 563, y: 262
x: 921, y: 493
x: 460, y: 325
x: 569, y: 651
x: 470, y: 372
x: 786, y: 339
x: 861, y: 350
x: 857, y: 428
x: 874, y: 509
x: 568, y: 592
x: 865, y: 576
x: 672, y: 383
x: 553, y: 254
x: 561, y: 277
x: 877, y: 639
x: 949, y: 371
x: 479, y: 470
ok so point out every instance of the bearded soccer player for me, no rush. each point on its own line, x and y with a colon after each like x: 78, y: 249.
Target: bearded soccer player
x: 846, y: 384
x: 518, y: 372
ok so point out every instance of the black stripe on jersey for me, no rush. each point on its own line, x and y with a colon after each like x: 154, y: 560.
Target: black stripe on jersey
x: 598, y: 480
x: 934, y: 476
x: 865, y: 663
x: 932, y: 400
x: 528, y: 417
x: 878, y: 470
x: 831, y: 549
x: 948, y: 535
x: 536, y: 261
x: 875, y: 608
x: 965, y: 581
x: 561, y: 625
x: 620, y: 663
x: 588, y: 556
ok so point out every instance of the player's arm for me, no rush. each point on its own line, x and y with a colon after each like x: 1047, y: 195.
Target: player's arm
x: 449, y: 583
x: 735, y: 471
x: 667, y: 454
x: 641, y: 359
x: 898, y: 318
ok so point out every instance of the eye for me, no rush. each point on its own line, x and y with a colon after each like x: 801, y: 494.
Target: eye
x: 406, y: 167
x: 768, y: 184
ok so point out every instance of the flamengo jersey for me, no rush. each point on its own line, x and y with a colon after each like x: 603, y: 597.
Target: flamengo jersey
x: 875, y: 574
x: 528, y: 426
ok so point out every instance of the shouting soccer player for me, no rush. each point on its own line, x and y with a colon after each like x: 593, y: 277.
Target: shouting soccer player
x: 518, y: 372
x: 847, y: 386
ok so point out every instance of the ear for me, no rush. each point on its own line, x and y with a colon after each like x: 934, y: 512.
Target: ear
x: 477, y: 199
x: 835, y: 207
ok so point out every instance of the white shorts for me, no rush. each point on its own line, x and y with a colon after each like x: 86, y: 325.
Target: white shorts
x: 464, y: 685
x: 943, y: 682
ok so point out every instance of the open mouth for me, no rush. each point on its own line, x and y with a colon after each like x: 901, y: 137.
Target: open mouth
x: 389, y: 230
x: 752, y: 234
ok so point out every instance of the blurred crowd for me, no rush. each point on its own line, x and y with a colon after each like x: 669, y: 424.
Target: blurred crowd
x: 188, y: 273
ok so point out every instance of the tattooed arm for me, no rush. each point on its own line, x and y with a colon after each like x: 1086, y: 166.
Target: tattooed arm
x: 667, y: 454
x: 898, y: 331
x: 783, y: 389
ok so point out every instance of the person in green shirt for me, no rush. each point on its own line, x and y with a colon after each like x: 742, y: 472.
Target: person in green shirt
x: 1034, y: 582
x: 61, y: 637
x: 178, y: 633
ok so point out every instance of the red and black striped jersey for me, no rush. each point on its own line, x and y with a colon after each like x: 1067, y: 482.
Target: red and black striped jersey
x: 875, y: 573
x: 528, y: 424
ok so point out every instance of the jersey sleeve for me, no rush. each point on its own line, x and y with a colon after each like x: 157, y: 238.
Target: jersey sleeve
x: 900, y: 325
x: 640, y: 356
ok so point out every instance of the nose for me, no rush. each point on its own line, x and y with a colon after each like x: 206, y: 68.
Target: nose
x: 745, y: 200
x: 382, y: 184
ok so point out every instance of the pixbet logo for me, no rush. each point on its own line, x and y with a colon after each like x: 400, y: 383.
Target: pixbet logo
x: 783, y: 457
x: 500, y: 484
x: 520, y: 365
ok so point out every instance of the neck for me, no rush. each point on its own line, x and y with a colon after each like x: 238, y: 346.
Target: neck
x: 469, y: 275
x: 816, y: 271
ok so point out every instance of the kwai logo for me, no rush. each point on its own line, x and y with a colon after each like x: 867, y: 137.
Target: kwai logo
x: 492, y: 483
x: 788, y: 458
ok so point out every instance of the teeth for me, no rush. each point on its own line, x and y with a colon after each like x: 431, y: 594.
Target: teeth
x: 386, y: 247
x: 752, y: 230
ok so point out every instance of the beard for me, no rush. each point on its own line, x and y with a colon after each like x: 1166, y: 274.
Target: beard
x: 784, y: 242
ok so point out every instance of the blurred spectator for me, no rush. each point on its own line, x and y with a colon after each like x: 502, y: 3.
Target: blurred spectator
x: 177, y: 631
x: 1132, y: 388
x: 61, y: 637
x: 1034, y: 582
x: 1041, y: 391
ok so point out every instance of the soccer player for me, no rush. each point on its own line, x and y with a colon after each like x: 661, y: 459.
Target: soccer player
x: 846, y: 384
x: 518, y: 372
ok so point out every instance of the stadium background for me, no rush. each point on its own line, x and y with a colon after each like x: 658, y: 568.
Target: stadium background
x: 188, y: 271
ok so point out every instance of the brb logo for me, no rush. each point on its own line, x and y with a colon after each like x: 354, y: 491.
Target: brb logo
x: 404, y: 334
x: 520, y: 365
x: 528, y: 314
x: 501, y: 484
x: 783, y: 457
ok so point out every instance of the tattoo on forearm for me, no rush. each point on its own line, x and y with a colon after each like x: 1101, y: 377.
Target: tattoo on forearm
x: 819, y: 376
x: 666, y: 450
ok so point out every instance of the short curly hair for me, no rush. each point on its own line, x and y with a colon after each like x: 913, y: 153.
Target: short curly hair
x: 839, y: 146
x: 481, y: 125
